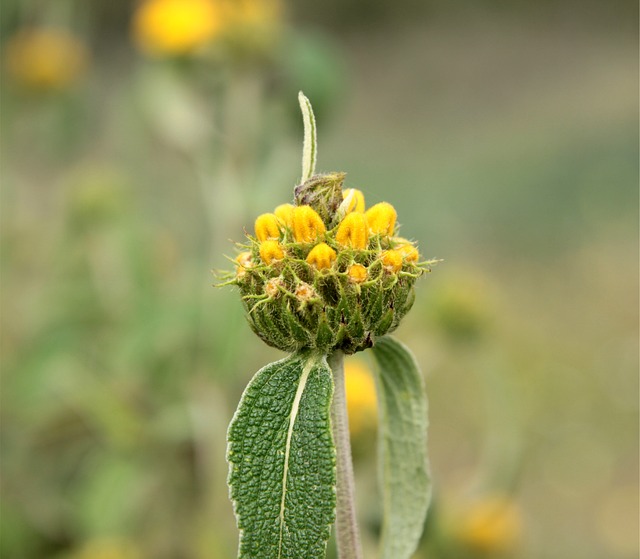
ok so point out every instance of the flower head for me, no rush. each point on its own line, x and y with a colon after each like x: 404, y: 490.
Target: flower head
x: 307, y: 284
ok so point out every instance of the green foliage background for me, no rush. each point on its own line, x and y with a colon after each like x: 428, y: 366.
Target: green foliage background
x: 505, y: 136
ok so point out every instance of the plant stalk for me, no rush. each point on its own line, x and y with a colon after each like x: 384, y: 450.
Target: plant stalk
x: 347, y: 535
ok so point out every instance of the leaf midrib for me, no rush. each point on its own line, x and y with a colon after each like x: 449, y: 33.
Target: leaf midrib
x: 292, y: 419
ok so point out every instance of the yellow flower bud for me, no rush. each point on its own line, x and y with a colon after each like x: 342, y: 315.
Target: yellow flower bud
x: 392, y: 260
x: 267, y: 227
x: 322, y: 256
x: 284, y: 212
x: 356, y: 202
x: 357, y: 273
x: 492, y: 525
x: 306, y: 224
x: 270, y: 251
x: 352, y: 231
x: 244, y: 261
x: 409, y: 252
x: 381, y: 219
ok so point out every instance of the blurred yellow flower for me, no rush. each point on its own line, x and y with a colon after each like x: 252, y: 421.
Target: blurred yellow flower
x: 45, y: 59
x: 361, y: 396
x: 165, y: 27
x: 107, y: 549
x: 490, y: 526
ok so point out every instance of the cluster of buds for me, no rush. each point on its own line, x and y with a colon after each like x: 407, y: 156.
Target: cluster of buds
x: 327, y: 273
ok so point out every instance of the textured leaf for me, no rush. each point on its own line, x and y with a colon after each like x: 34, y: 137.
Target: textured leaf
x: 403, y: 460
x: 310, y: 143
x: 282, y: 460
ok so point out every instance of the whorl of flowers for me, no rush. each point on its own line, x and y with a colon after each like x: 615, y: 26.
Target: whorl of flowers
x: 327, y: 273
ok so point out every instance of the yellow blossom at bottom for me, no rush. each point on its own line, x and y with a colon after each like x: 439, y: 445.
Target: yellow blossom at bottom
x: 361, y: 396
x: 490, y: 526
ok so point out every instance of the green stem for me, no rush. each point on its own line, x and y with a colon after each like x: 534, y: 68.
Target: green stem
x: 347, y: 535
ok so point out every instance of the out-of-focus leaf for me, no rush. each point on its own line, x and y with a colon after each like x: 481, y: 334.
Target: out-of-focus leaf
x: 403, y: 460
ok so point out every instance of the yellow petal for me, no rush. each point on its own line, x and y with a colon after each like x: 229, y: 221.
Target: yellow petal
x: 409, y: 252
x: 392, y: 260
x: 267, y: 227
x: 381, y: 219
x: 322, y: 256
x: 284, y: 212
x: 307, y: 225
x: 270, y: 251
x: 352, y: 231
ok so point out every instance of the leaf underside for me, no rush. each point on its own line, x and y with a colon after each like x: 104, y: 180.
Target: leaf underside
x: 282, y: 461
x: 403, y: 461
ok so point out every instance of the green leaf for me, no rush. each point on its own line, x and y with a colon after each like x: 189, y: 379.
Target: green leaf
x: 403, y: 460
x: 282, y: 460
x: 310, y: 143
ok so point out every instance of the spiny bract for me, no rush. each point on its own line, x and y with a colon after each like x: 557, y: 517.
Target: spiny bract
x: 313, y: 278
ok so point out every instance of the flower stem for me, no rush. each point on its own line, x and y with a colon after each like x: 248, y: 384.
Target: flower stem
x: 347, y: 535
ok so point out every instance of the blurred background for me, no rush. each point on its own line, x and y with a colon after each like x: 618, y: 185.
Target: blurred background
x: 140, y: 138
